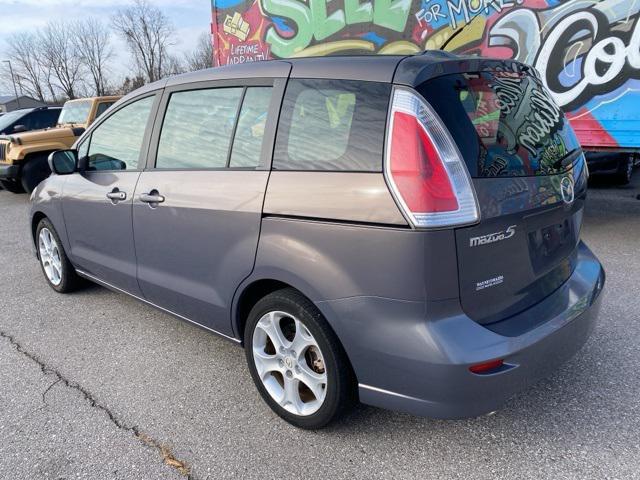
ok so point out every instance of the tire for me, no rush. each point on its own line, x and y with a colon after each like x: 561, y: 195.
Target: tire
x: 625, y: 170
x: 322, y: 357
x: 56, y: 267
x: 11, y: 186
x: 35, y: 170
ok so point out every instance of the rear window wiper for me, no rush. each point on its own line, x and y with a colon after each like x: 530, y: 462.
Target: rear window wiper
x: 568, y: 159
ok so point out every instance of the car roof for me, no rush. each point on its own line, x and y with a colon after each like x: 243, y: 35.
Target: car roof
x: 404, y: 69
x: 24, y: 111
x: 352, y: 67
x: 409, y: 70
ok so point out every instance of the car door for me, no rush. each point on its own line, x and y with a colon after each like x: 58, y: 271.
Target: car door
x: 197, y: 210
x: 97, y: 202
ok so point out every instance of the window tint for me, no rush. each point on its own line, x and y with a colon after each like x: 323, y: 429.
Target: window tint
x: 41, y: 119
x: 52, y: 117
x: 117, y: 142
x: 197, y: 128
x: 332, y: 125
x: 102, y: 107
x: 247, y: 143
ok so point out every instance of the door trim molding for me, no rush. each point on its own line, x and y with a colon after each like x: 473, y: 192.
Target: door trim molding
x: 113, y: 287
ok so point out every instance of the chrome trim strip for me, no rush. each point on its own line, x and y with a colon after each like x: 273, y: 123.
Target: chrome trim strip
x: 112, y: 287
x: 387, y: 392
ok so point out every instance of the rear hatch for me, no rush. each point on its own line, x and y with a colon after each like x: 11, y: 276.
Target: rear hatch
x: 530, y: 181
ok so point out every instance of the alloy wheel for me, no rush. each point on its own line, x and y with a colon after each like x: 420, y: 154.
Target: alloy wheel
x: 289, y: 363
x: 50, y: 256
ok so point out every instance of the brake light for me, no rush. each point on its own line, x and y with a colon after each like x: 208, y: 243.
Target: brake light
x: 424, y: 168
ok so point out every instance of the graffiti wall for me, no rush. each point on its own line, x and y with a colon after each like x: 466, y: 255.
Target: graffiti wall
x: 586, y: 51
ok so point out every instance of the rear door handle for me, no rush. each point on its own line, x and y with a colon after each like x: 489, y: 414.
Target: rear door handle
x: 116, y: 195
x: 153, y: 198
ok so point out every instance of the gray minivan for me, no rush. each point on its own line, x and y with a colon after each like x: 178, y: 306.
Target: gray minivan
x: 403, y: 231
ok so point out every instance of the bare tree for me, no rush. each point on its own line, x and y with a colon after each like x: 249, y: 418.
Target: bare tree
x: 59, y: 54
x: 23, y: 52
x: 148, y: 33
x: 130, y: 84
x: 173, y: 66
x: 202, y: 56
x: 92, y: 43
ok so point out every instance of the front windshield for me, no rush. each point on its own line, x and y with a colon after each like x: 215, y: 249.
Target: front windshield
x: 8, y: 118
x: 75, y: 112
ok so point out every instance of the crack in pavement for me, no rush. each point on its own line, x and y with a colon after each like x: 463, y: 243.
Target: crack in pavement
x: 168, y: 457
x: 44, y: 394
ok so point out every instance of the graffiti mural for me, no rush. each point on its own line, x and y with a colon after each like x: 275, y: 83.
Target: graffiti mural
x: 586, y: 51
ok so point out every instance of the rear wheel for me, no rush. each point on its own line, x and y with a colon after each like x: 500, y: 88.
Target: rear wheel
x: 58, y: 271
x: 296, y: 361
x: 35, y: 170
x: 625, y: 170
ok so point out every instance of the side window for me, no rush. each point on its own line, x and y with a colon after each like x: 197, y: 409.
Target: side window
x: 197, y: 128
x: 247, y: 142
x: 117, y: 142
x: 36, y: 120
x: 29, y: 121
x: 102, y: 107
x: 83, y: 148
x: 52, y: 118
x: 332, y: 125
x: 40, y: 119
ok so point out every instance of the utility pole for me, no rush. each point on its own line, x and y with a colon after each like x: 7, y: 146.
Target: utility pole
x: 15, y: 89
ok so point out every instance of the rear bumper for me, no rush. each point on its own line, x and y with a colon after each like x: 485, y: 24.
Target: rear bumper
x: 414, y: 357
x: 9, y: 172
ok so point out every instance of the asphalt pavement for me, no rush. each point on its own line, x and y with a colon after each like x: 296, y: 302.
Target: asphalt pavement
x: 95, y: 385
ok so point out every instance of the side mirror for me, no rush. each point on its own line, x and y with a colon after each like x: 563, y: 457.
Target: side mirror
x: 63, y: 162
x: 19, y: 129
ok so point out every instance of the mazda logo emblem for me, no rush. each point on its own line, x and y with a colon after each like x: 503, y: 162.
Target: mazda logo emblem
x: 566, y: 190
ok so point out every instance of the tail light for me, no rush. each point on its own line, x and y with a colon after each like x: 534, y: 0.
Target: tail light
x: 424, y: 168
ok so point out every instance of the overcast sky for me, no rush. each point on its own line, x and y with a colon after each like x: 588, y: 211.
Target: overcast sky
x: 190, y: 17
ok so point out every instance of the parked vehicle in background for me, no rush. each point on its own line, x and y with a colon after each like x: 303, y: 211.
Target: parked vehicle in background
x: 23, y: 156
x: 27, y: 119
x: 619, y: 165
x: 402, y: 230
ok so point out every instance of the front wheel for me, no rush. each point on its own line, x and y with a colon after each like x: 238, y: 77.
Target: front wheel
x: 296, y: 361
x: 58, y: 271
x: 35, y: 170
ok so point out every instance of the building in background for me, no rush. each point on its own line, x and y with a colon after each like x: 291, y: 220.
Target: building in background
x: 587, y: 51
x: 8, y: 103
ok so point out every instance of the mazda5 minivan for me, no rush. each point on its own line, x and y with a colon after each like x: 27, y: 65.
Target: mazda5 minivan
x: 403, y: 231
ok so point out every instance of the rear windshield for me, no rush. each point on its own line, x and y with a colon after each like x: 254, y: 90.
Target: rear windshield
x: 505, y: 123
